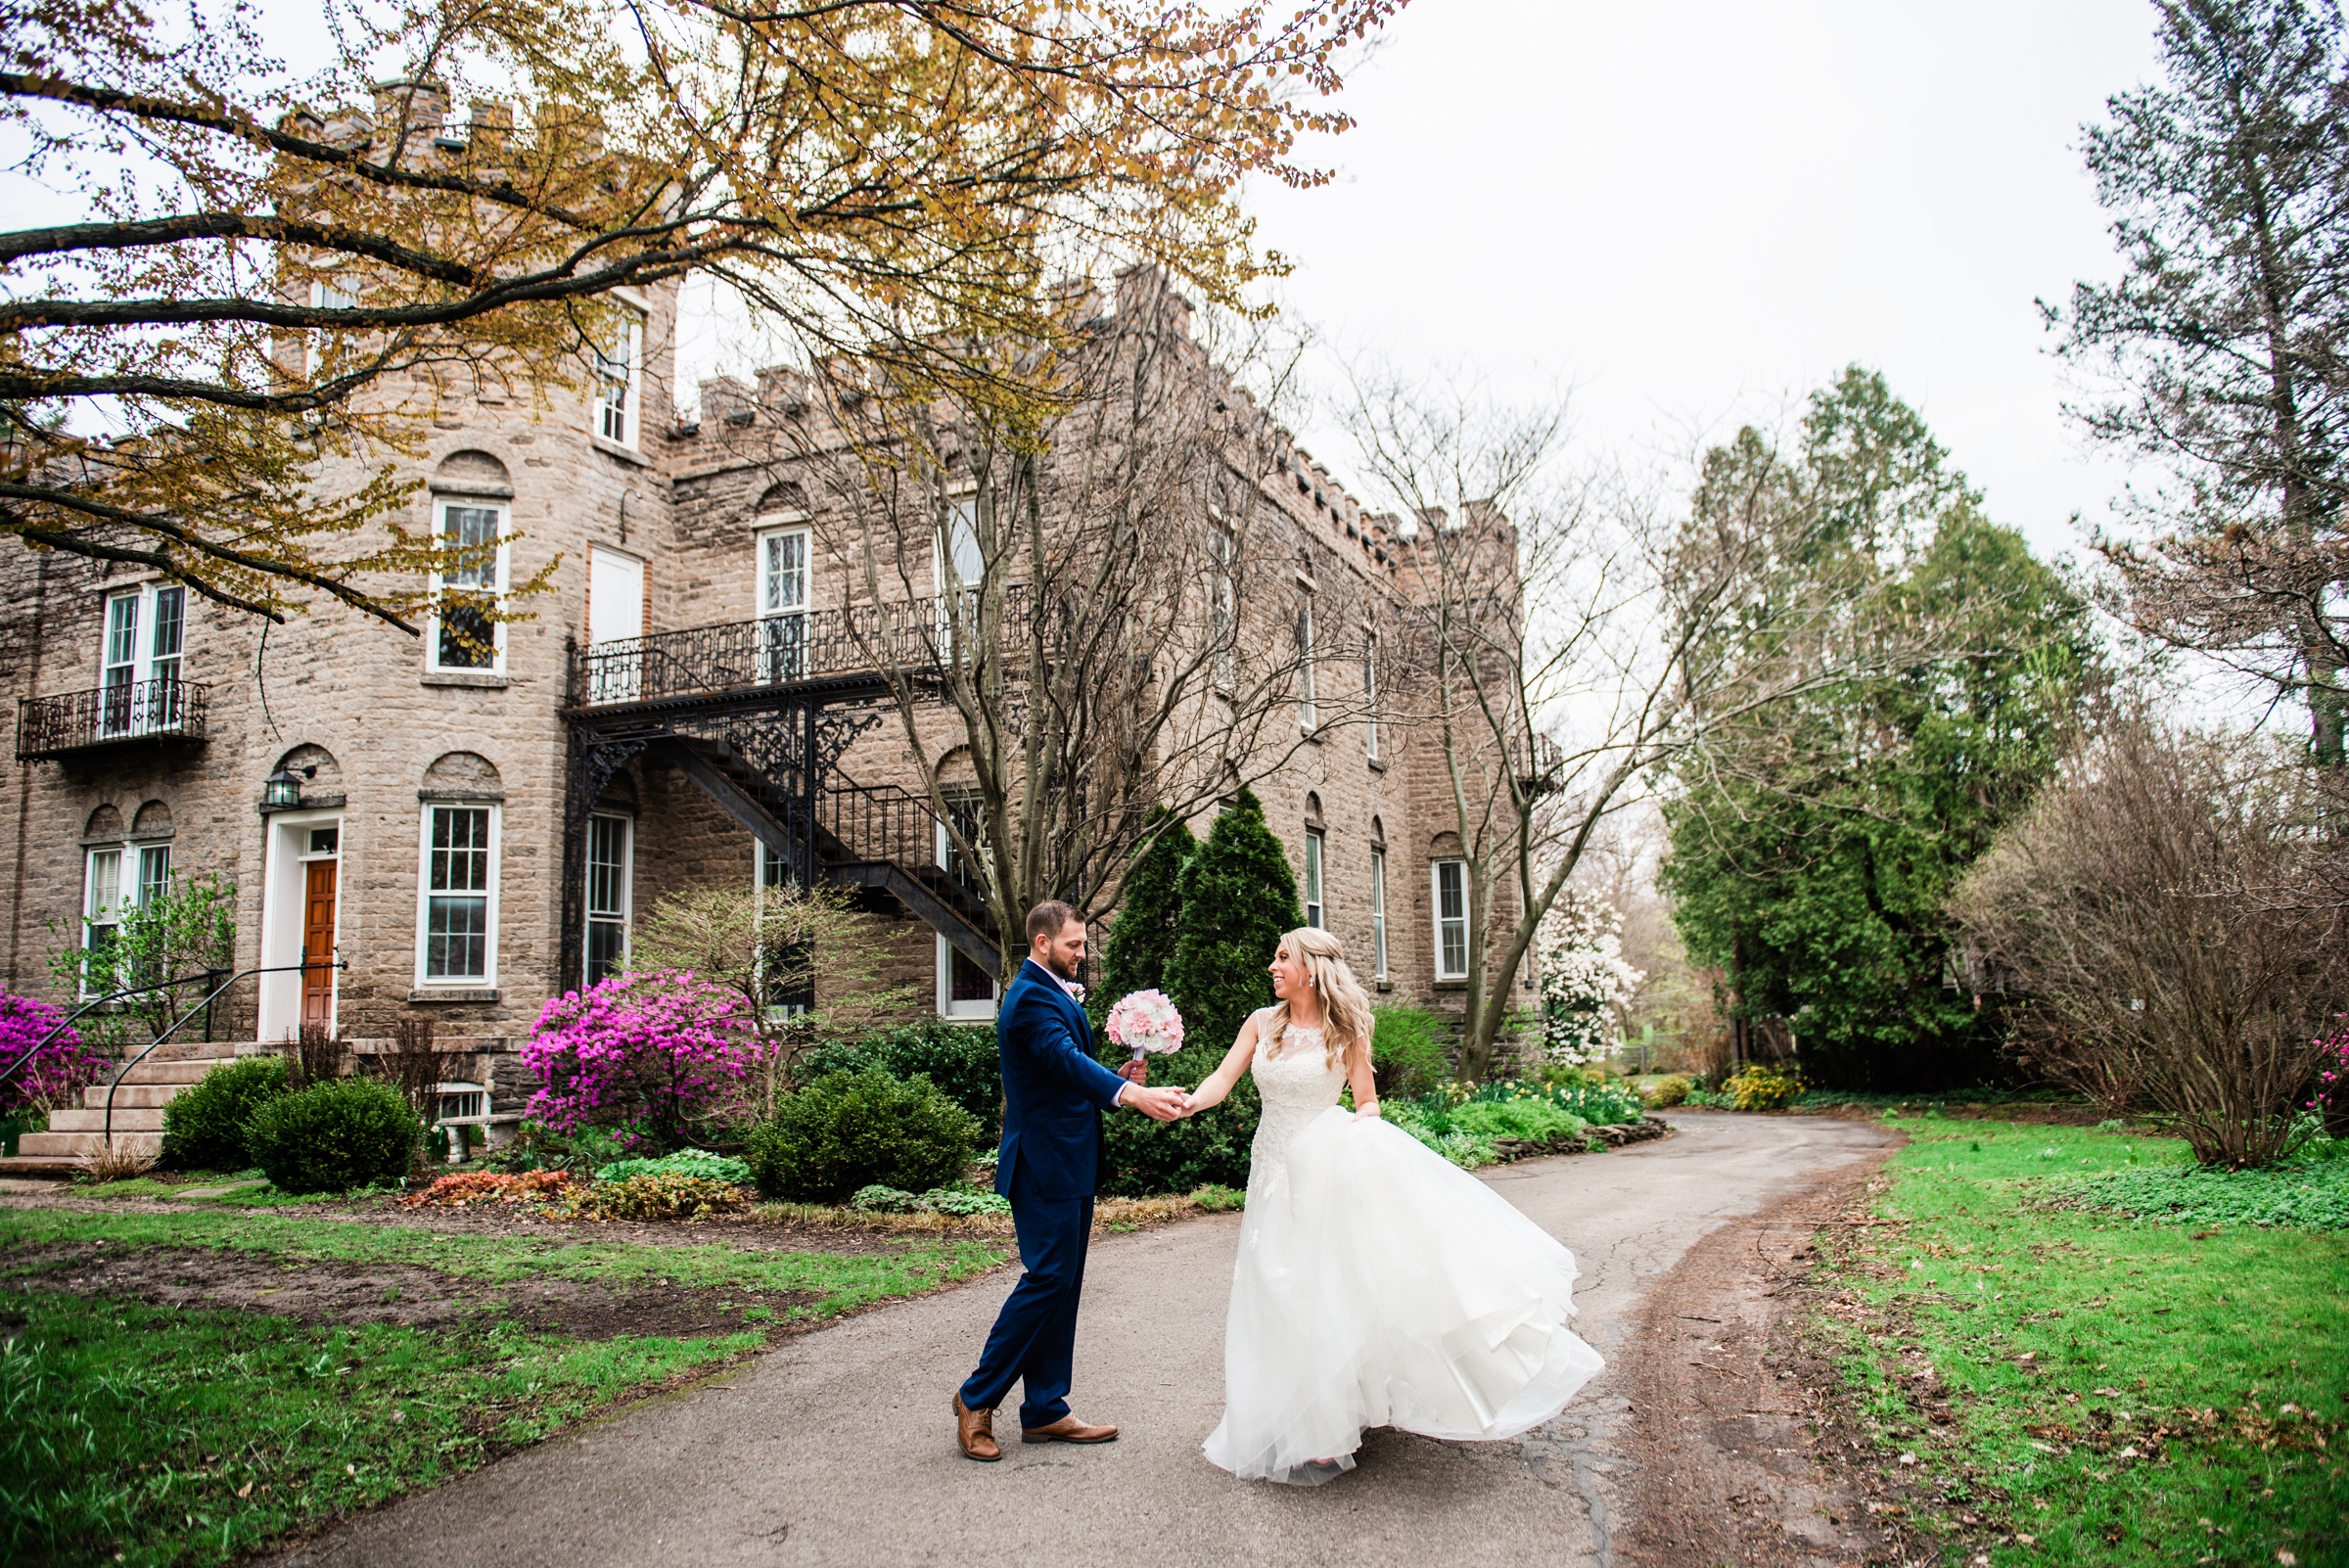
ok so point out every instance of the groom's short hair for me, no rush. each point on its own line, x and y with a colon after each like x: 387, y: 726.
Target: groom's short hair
x: 1049, y: 919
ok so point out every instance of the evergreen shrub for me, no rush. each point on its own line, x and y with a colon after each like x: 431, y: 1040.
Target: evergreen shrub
x: 205, y: 1124
x: 961, y: 1059
x: 1406, y: 1056
x: 336, y: 1135
x: 1140, y: 949
x: 850, y: 1130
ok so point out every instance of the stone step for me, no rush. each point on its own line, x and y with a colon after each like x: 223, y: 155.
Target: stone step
x: 153, y: 1072
x: 132, y: 1097
x: 88, y: 1121
x: 55, y: 1166
x: 189, y: 1050
x: 36, y: 1146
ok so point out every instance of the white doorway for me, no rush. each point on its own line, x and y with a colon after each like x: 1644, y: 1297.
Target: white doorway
x: 304, y: 853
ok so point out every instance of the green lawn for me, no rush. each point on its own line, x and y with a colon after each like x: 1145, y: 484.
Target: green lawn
x: 2117, y: 1389
x: 169, y: 1435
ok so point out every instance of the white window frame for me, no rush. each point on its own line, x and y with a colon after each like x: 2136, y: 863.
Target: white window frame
x: 487, y: 980
x: 1317, y: 870
x: 1309, y: 708
x: 620, y: 392
x: 442, y: 502
x: 1437, y: 920
x: 129, y: 661
x: 967, y: 1011
x: 324, y: 295
x: 959, y: 524
x: 94, y: 917
x: 783, y: 649
x: 1370, y: 689
x: 1378, y: 911
x: 625, y: 914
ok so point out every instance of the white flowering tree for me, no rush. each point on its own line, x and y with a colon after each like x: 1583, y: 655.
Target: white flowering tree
x: 1586, y: 984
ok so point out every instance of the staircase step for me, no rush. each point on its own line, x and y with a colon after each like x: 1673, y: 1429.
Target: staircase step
x: 131, y: 1096
x: 190, y: 1050
x: 54, y: 1144
x: 188, y: 1071
x: 88, y: 1121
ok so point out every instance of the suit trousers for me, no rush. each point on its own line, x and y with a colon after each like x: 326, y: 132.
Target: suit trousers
x: 1035, y: 1337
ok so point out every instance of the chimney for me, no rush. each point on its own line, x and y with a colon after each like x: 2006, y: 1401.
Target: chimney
x: 410, y: 108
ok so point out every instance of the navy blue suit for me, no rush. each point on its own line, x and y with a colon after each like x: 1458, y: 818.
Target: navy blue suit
x: 1053, y: 1095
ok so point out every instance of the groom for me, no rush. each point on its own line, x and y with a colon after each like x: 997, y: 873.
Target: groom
x: 1053, y: 1095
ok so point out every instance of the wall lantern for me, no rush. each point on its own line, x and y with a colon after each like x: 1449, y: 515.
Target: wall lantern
x: 283, y: 788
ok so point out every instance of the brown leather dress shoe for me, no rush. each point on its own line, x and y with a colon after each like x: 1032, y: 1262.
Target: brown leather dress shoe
x: 1068, y: 1429
x: 975, y: 1430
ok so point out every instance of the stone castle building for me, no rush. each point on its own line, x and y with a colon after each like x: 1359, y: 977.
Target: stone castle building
x: 471, y: 820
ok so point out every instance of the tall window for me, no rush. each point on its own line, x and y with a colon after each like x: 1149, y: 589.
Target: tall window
x: 959, y: 555
x: 1222, y: 611
x: 115, y: 881
x: 459, y: 915
x: 324, y: 297
x: 466, y: 635
x: 783, y: 604
x: 609, y: 854
x: 1312, y: 878
x: 1451, y: 920
x: 618, y: 372
x: 1378, y: 913
x: 964, y: 990
x: 139, y: 660
x: 1308, y: 711
x: 1370, y: 686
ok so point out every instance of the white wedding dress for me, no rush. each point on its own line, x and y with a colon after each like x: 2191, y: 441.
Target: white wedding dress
x: 1378, y: 1284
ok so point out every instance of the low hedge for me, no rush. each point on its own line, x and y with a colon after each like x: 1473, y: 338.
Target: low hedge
x: 205, y: 1124
x: 850, y: 1130
x: 332, y: 1136
x: 961, y: 1059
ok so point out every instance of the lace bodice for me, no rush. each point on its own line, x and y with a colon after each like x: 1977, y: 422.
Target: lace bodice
x: 1297, y: 1084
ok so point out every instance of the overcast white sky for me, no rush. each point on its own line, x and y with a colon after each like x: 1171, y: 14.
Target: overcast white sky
x: 1688, y: 209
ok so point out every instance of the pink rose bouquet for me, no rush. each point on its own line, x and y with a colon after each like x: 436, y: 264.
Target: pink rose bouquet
x: 1145, y: 1021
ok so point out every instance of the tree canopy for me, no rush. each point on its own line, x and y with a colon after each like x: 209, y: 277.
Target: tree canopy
x: 265, y: 273
x: 1815, y: 845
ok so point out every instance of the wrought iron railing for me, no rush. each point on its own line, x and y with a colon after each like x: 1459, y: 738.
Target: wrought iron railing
x: 776, y: 650
x: 885, y: 823
x: 76, y: 721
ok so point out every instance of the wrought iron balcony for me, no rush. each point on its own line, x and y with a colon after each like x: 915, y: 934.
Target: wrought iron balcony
x: 744, y: 657
x: 76, y: 721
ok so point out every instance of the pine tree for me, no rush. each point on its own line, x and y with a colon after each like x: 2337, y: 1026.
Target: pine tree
x: 1141, y: 940
x: 1239, y: 899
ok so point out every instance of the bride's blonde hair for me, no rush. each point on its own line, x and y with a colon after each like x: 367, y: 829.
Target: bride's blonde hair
x: 1343, y: 998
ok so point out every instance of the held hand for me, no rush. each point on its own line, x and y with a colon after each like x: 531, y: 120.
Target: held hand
x: 1158, y: 1104
x: 1135, y: 1072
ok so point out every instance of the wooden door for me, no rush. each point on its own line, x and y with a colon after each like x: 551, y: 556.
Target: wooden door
x: 318, y: 946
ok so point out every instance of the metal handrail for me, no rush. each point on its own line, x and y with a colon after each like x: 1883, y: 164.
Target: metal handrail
x: 108, y: 1141
x: 67, y: 1022
x: 165, y: 708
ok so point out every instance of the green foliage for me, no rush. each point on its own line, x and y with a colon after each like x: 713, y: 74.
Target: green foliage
x: 685, y: 1162
x: 657, y: 1195
x: 205, y: 1123
x: 2061, y: 1341
x: 1147, y: 1159
x: 188, y: 927
x: 1407, y: 1058
x: 961, y: 1059
x: 2299, y: 1194
x: 332, y: 1136
x: 1672, y: 1089
x: 1239, y: 899
x: 1141, y: 950
x: 1215, y: 1199
x: 1761, y: 1087
x: 959, y: 1200
x: 1813, y: 848
x: 1536, y: 1120
x: 847, y: 1131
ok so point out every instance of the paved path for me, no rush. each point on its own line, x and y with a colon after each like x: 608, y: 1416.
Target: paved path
x: 837, y: 1448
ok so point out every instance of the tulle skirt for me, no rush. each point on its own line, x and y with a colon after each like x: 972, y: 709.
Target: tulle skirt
x: 1381, y: 1285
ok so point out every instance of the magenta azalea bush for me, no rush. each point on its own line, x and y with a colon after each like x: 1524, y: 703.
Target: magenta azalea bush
x: 644, y: 1054
x: 2332, y: 1080
x: 58, y: 1070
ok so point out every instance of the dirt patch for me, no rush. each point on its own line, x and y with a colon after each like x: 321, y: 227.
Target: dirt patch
x: 395, y: 1294
x: 1734, y: 1463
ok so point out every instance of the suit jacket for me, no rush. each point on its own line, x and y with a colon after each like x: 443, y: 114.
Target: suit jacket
x: 1053, y: 1091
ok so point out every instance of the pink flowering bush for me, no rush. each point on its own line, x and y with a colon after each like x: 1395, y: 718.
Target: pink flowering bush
x: 2333, y: 1078
x: 58, y: 1072
x: 644, y: 1053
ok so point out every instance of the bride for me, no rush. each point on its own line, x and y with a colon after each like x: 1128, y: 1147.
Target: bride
x: 1377, y: 1283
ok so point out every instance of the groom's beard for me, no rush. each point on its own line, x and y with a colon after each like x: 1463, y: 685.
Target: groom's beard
x: 1053, y: 962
